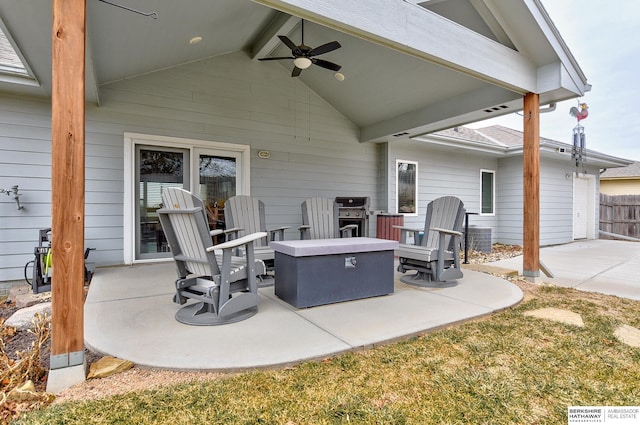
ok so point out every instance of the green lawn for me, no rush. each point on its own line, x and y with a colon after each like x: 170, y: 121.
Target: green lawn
x: 506, y: 368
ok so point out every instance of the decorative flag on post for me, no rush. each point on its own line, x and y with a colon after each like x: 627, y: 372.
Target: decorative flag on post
x: 579, y: 152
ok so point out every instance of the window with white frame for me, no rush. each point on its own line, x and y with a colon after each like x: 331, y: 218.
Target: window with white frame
x: 13, y: 67
x: 406, y: 187
x: 487, y: 192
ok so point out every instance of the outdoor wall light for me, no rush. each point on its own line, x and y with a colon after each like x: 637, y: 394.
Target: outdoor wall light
x: 339, y: 76
x: 16, y: 196
x: 302, y: 62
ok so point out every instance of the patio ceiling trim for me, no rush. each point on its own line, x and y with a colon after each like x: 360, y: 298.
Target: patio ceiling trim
x: 439, y: 114
x: 573, y: 72
x: 565, y: 73
x: 485, y: 12
x: 416, y: 31
x: 268, y: 40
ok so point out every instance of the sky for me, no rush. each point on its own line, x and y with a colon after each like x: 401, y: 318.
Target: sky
x: 604, y: 37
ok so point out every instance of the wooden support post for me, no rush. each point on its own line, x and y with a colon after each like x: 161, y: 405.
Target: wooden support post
x: 67, y: 182
x: 531, y: 170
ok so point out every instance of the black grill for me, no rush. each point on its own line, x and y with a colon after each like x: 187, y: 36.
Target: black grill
x: 354, y: 210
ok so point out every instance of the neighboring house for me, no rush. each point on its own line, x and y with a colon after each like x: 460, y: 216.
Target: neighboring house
x: 484, y: 168
x: 621, y: 181
x: 211, y: 117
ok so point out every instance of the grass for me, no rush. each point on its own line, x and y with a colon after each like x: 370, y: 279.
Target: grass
x: 506, y: 368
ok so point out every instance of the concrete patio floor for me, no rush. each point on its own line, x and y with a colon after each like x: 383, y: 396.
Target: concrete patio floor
x: 129, y: 314
x: 605, y: 266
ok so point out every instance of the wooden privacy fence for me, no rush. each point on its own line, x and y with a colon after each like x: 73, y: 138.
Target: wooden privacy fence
x: 620, y: 214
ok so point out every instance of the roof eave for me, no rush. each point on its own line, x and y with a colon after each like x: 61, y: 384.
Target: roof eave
x: 459, y: 143
x: 548, y: 148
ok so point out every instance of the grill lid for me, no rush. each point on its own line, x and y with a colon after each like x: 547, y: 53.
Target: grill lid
x: 361, y: 202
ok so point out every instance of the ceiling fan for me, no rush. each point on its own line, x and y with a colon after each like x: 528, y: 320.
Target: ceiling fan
x: 304, y: 56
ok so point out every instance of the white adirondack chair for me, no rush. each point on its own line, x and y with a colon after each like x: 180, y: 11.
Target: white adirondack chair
x: 435, y: 257
x: 320, y: 220
x: 245, y: 215
x: 224, y: 286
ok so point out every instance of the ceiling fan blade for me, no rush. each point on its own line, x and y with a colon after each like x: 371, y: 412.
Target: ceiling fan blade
x: 275, y: 59
x: 325, y: 48
x: 290, y: 44
x: 296, y: 71
x: 326, y: 64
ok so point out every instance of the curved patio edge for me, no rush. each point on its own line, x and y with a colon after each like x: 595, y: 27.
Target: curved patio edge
x: 129, y: 314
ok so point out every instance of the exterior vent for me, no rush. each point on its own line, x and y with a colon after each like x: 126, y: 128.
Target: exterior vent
x: 404, y: 133
x: 496, y: 109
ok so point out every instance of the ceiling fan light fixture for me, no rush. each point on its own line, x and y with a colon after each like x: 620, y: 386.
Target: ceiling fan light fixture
x: 302, y: 62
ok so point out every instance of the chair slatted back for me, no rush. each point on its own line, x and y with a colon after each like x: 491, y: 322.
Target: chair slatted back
x: 247, y: 213
x: 184, y: 223
x: 446, y: 212
x: 322, y: 215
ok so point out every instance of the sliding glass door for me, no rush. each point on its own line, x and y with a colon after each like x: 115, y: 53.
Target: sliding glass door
x: 217, y: 181
x: 212, y: 174
x: 156, y: 169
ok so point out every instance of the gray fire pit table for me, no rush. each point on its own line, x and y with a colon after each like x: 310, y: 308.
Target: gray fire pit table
x: 323, y: 271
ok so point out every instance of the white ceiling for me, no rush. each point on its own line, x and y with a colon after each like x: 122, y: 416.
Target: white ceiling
x: 388, y: 88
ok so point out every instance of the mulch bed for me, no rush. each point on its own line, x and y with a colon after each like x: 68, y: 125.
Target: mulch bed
x: 22, y: 341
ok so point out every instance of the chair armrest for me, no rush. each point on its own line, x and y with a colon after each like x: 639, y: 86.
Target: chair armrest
x: 233, y: 230
x: 216, y: 232
x: 232, y: 233
x: 405, y: 230
x: 238, y: 242
x: 347, y: 231
x: 304, y: 231
x: 446, y: 231
x: 409, y: 229
x: 277, y: 231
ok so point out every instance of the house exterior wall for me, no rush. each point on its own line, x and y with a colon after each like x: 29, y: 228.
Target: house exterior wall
x: 229, y: 99
x: 442, y: 172
x: 556, y: 201
x: 509, y: 201
x: 25, y: 158
x: 620, y: 186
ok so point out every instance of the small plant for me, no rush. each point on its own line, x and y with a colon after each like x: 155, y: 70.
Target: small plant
x: 16, y: 394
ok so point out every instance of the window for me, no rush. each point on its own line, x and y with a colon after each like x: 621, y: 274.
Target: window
x: 487, y: 191
x: 407, y: 187
x: 13, y: 68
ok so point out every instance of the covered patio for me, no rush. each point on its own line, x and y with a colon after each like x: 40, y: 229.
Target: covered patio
x: 129, y: 314
x: 194, y: 79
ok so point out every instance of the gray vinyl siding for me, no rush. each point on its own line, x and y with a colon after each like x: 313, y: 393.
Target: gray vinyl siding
x: 556, y: 200
x: 229, y: 99
x: 442, y: 172
x: 25, y: 157
x: 509, y: 200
